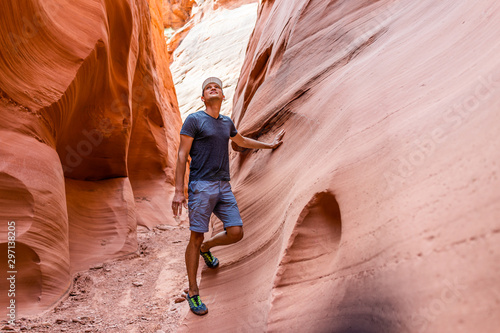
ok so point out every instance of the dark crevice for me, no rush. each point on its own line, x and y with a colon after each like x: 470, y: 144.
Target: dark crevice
x: 257, y: 75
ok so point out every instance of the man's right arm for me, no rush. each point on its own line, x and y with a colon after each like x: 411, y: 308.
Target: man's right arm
x: 179, y: 199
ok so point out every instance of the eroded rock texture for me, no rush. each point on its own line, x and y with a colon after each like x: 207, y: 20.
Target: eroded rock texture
x: 380, y: 212
x: 176, y: 12
x: 88, y: 129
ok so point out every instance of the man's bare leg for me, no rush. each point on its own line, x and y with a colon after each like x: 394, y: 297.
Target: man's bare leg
x: 229, y: 236
x: 192, y: 260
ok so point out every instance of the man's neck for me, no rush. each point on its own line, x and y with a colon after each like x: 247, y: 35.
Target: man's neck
x: 213, y: 110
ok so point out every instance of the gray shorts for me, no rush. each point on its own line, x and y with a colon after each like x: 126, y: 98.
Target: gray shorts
x: 207, y: 197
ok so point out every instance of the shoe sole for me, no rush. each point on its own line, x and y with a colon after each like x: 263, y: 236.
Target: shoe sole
x: 199, y: 313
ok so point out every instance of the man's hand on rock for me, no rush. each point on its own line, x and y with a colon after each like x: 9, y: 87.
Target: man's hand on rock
x: 277, y: 140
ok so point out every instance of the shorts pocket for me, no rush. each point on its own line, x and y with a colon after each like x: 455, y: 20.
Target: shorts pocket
x: 197, y: 186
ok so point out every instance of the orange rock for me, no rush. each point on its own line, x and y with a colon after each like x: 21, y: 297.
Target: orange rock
x: 89, y: 128
x: 380, y: 211
x: 176, y: 12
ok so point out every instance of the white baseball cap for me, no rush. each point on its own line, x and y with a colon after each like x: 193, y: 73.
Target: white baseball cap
x: 210, y: 80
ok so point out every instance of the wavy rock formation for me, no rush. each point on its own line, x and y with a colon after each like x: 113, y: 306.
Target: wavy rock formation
x: 88, y: 129
x: 212, y: 43
x: 380, y: 212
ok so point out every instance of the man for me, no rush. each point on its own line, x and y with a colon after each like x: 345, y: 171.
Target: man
x: 205, y: 136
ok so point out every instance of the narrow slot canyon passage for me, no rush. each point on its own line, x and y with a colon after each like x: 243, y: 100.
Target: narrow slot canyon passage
x: 378, y: 212
x: 207, y: 50
x: 107, y: 99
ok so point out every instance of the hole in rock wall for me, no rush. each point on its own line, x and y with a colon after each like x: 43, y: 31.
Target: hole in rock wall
x: 256, y: 77
x: 304, y: 282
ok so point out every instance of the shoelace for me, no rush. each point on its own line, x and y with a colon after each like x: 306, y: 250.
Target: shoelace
x: 208, y: 256
x: 195, y: 300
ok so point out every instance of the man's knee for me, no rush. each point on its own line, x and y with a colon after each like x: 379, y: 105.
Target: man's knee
x: 235, y: 233
x: 196, y: 238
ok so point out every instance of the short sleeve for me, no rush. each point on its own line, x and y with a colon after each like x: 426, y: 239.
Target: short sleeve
x: 189, y: 127
x: 232, y: 130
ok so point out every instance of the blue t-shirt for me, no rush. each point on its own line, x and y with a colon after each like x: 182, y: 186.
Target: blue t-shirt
x: 209, y: 152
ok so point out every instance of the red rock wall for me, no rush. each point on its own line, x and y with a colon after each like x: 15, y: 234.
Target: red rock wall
x: 89, y: 128
x: 380, y: 212
x: 176, y: 12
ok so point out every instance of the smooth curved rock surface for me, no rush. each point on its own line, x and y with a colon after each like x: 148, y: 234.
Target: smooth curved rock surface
x: 391, y: 113
x: 103, y: 230
x: 32, y: 196
x: 89, y: 128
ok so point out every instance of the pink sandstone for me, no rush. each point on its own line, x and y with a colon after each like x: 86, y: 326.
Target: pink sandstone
x: 380, y: 212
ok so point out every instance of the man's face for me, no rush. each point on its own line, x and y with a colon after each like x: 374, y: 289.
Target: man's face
x: 212, y: 92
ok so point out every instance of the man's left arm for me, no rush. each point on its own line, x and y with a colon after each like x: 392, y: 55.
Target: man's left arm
x: 245, y: 142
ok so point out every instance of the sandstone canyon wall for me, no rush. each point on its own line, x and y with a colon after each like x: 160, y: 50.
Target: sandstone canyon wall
x: 211, y: 43
x: 88, y: 129
x: 381, y: 210
x: 176, y: 12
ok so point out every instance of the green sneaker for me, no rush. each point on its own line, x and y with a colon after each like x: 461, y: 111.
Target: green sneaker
x: 210, y: 260
x: 196, y: 305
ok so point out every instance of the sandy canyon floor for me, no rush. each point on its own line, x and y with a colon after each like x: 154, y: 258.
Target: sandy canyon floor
x: 142, y: 292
